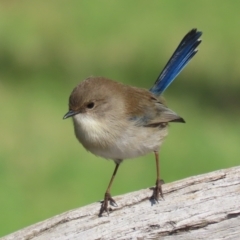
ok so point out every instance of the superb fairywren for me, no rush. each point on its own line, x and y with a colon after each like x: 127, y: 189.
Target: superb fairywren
x: 117, y: 122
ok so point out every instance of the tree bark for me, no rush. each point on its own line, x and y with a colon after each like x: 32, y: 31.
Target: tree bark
x: 200, y: 207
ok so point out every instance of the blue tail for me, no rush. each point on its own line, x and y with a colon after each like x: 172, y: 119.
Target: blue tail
x: 182, y: 55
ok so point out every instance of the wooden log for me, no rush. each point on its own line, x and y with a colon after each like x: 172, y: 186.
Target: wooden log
x: 200, y: 207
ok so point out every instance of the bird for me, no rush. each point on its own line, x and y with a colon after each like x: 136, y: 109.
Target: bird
x: 118, y: 122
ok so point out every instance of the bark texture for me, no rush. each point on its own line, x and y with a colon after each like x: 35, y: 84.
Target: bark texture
x: 200, y: 207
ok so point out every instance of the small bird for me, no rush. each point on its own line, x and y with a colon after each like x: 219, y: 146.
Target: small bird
x: 117, y: 121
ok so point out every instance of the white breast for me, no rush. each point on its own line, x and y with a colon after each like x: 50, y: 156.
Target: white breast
x: 117, y: 139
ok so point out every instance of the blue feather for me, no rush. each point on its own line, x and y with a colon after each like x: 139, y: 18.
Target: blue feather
x: 182, y: 55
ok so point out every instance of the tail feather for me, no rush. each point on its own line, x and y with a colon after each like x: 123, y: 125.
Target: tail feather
x: 182, y: 55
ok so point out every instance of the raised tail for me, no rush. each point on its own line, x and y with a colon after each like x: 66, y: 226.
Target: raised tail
x: 182, y: 55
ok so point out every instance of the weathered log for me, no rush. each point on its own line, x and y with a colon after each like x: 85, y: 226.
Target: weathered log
x: 200, y: 207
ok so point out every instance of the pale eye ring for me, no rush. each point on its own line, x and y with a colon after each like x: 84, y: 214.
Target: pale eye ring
x: 90, y: 105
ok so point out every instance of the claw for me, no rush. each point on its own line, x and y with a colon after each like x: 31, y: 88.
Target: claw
x: 104, y: 206
x: 157, y: 192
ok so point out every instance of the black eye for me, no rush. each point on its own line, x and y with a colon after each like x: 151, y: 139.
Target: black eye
x: 90, y: 105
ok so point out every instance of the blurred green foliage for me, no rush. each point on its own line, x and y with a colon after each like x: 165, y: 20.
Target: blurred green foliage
x: 47, y: 47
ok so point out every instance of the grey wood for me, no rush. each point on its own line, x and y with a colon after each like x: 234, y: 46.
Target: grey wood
x: 199, y: 207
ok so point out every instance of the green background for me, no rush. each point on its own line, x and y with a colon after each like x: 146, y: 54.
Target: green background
x: 47, y: 47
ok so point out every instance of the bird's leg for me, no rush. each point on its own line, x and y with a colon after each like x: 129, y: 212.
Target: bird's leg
x: 107, y: 196
x: 158, y: 188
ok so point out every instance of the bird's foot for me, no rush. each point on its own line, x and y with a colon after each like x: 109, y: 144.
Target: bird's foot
x: 104, y: 206
x: 157, y: 191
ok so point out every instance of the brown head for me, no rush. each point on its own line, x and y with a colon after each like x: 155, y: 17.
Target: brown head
x: 94, y: 94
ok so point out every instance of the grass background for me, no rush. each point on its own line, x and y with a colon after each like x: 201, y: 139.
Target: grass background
x: 47, y: 47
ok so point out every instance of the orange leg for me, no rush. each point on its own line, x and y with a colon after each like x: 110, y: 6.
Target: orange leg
x: 107, y: 196
x: 158, y: 188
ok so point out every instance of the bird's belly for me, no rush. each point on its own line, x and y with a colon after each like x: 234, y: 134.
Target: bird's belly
x: 136, y: 143
x: 128, y: 142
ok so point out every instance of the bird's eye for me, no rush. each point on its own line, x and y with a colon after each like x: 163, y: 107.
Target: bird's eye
x: 90, y: 105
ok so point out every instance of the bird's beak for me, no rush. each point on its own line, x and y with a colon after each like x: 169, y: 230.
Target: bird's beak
x: 70, y: 113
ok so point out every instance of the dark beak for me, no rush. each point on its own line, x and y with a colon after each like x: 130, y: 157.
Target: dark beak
x: 70, y: 113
